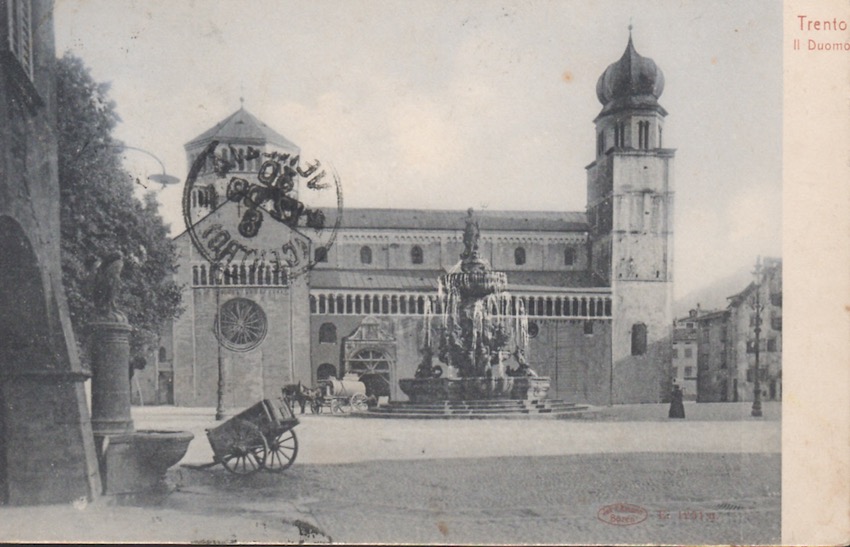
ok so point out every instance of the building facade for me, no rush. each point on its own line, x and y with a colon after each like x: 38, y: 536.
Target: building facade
x: 596, y: 284
x: 715, y: 378
x: 727, y: 346
x: 46, y: 443
x: 742, y: 322
x: 685, y: 351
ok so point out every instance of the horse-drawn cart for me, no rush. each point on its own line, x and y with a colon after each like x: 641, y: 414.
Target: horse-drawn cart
x: 331, y: 395
x: 343, y: 396
x: 260, y: 437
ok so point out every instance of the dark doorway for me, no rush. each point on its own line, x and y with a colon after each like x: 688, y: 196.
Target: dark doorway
x: 165, y: 388
x: 24, y: 334
x: 325, y: 371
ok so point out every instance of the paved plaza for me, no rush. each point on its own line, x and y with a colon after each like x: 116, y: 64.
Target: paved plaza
x: 712, y: 478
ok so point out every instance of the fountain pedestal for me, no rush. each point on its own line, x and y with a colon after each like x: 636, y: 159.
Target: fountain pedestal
x: 110, y: 389
x: 131, y: 462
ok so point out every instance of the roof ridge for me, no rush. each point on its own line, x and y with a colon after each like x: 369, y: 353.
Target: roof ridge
x: 258, y: 132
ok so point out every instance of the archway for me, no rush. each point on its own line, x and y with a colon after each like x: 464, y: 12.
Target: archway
x: 373, y: 366
x: 24, y: 333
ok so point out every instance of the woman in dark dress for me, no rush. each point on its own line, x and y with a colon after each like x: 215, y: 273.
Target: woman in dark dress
x: 677, y: 407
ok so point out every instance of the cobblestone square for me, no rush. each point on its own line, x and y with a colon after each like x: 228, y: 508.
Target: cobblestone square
x: 713, y: 478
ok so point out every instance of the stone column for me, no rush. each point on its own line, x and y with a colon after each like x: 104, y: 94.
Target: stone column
x: 110, y: 390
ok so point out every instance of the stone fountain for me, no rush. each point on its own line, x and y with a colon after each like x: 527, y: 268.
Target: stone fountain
x: 131, y: 462
x: 481, y: 328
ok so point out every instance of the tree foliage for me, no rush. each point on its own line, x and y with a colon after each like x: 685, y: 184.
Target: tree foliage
x: 99, y: 213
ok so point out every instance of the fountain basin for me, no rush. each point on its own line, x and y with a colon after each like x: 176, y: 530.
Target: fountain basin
x: 477, y: 283
x: 431, y: 390
x: 135, y: 463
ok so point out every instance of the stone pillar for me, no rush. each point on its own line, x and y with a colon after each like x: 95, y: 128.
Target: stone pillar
x: 110, y: 389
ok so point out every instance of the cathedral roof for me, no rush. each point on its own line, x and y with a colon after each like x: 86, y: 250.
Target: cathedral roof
x: 634, y: 81
x: 241, y: 127
x: 447, y: 219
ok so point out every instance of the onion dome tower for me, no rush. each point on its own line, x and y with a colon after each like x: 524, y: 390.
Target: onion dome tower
x: 632, y: 82
x: 630, y: 213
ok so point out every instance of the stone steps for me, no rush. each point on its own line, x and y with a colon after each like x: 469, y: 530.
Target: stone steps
x: 506, y: 409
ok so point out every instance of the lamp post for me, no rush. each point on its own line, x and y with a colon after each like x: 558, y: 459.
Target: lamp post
x: 757, y: 307
x: 163, y: 178
x: 219, y: 392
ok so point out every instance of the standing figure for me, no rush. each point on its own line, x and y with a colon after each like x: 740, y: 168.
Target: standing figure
x: 677, y: 407
x: 471, y: 234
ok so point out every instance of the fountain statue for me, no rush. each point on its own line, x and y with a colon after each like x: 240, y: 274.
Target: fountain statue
x: 481, y: 329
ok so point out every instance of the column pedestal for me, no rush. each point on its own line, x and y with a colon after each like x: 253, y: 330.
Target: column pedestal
x: 110, y: 389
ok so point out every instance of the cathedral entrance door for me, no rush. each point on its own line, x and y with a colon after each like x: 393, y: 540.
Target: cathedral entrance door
x: 374, y: 366
x: 370, y: 352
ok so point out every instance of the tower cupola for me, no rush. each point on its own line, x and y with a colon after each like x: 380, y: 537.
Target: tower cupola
x: 633, y: 82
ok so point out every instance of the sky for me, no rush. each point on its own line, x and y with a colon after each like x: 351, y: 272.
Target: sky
x: 441, y: 104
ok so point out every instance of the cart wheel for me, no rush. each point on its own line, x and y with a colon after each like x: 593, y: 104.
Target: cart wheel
x: 282, y: 451
x: 340, y: 406
x: 359, y: 402
x: 316, y: 406
x: 247, y: 451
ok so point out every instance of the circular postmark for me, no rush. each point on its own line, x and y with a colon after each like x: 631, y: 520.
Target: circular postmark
x: 261, y: 209
x: 622, y: 514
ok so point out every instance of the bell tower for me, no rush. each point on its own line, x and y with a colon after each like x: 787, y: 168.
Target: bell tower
x: 630, y: 212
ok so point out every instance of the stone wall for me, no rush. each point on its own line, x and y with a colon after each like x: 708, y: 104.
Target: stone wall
x: 46, y: 443
x: 578, y: 363
x: 576, y: 356
x: 281, y: 358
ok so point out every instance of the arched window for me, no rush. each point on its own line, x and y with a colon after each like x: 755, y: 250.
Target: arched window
x: 638, y: 339
x: 416, y: 256
x: 325, y: 371
x: 327, y: 333
x: 519, y: 256
x: 321, y: 254
x: 620, y: 135
x: 643, y: 135
x: 365, y: 255
x: 569, y: 256
x: 162, y: 355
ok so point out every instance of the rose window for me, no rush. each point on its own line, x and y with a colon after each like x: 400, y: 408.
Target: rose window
x: 241, y: 324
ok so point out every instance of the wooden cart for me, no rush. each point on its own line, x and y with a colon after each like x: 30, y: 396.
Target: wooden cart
x: 260, y: 437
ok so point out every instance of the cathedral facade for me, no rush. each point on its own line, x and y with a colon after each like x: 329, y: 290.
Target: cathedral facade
x: 596, y: 284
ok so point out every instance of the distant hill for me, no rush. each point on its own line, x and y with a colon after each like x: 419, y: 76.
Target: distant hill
x: 713, y: 296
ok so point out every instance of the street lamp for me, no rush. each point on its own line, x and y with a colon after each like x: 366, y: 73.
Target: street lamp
x: 757, y: 307
x: 163, y: 178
